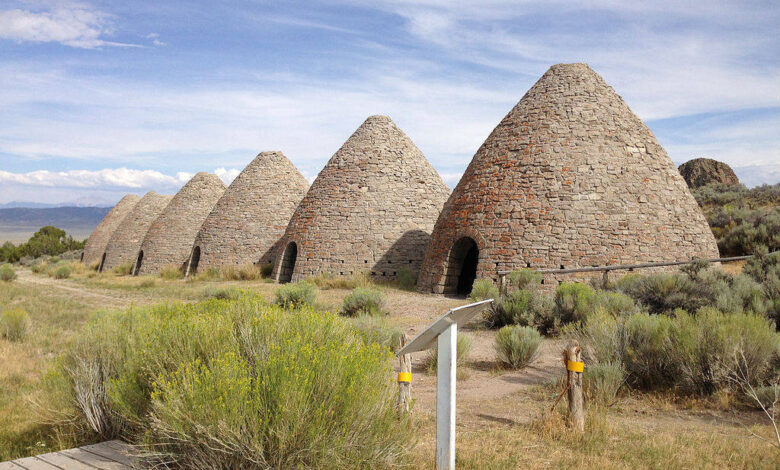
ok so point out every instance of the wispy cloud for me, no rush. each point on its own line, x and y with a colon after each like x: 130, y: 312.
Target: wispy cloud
x: 118, y: 178
x: 69, y: 23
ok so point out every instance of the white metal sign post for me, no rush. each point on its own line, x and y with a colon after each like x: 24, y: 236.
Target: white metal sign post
x: 445, y: 332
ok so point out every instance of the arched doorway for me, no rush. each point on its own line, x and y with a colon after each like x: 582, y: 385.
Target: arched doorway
x: 288, y: 262
x: 194, y: 260
x: 462, y: 267
x: 138, y: 262
x: 102, y: 262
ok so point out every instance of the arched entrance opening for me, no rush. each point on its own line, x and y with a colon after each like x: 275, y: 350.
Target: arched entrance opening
x: 461, y: 267
x: 102, y: 262
x: 138, y: 262
x: 288, y: 262
x: 194, y: 260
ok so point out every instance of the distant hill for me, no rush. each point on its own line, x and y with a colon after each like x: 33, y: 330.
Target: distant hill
x: 17, y: 224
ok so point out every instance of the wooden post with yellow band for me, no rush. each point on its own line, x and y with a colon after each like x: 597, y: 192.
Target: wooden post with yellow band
x: 572, y: 358
x: 404, y: 381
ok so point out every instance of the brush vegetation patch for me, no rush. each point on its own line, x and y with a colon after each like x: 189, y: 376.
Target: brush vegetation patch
x: 235, y: 384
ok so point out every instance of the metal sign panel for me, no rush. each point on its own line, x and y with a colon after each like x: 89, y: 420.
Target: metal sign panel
x: 458, y: 316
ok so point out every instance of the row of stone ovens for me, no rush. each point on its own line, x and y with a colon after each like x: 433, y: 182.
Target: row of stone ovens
x: 569, y: 178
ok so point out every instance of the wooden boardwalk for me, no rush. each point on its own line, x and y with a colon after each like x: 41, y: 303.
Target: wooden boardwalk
x: 110, y: 455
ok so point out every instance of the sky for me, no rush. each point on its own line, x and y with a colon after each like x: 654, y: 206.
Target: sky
x: 102, y: 98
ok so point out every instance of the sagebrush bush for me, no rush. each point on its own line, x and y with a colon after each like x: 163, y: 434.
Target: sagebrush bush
x: 691, y: 353
x: 573, y: 301
x: 601, y: 382
x: 237, y: 384
x: 123, y: 269
x: 40, y: 267
x: 14, y: 323
x: 171, y: 272
x: 229, y: 293
x: 406, y: 278
x: 266, y: 270
x: 7, y: 273
x: 296, y: 295
x: 61, y: 271
x: 517, y: 346
x: 378, y: 330
x: 483, y: 289
x: 362, y: 301
x: 462, y: 352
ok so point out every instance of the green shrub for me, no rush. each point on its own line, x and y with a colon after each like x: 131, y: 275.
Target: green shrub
x: 573, y: 301
x: 237, y: 384
x: 230, y: 293
x: 362, y: 301
x: 462, y: 351
x: 525, y: 279
x: 517, y: 346
x: 40, y: 267
x: 296, y: 295
x: 601, y: 382
x: 406, y: 278
x: 123, y: 269
x: 483, y: 289
x: 7, y: 273
x: 171, y: 273
x: 266, y: 270
x: 378, y: 330
x: 615, y: 303
x: 646, y: 355
x: 61, y: 271
x: 14, y: 323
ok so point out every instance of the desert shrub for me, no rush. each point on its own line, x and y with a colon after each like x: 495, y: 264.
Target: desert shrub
x: 615, y: 303
x: 362, y: 301
x: 237, y: 384
x: 573, y: 301
x: 693, y: 354
x: 40, y: 267
x: 525, y: 279
x: 703, y: 348
x: 378, y: 330
x: 602, y: 381
x: 210, y: 274
x: 230, y: 293
x: 123, y: 269
x: 7, y: 273
x: 146, y: 283
x: 517, y: 346
x: 14, y: 323
x: 462, y: 351
x: 266, y: 270
x: 296, y: 295
x: 61, y: 271
x: 171, y: 272
x: 94, y: 266
x: 406, y: 278
x: 483, y: 289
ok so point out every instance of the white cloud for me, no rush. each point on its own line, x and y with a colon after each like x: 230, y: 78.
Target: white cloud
x: 70, y: 23
x: 227, y: 174
x: 107, y: 178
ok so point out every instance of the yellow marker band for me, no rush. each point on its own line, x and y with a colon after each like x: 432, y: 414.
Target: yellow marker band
x: 575, y: 366
x: 405, y: 377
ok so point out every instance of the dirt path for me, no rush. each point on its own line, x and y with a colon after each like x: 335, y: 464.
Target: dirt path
x: 103, y: 295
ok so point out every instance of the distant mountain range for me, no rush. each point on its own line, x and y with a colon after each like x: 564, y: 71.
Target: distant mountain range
x: 44, y: 205
x: 17, y: 224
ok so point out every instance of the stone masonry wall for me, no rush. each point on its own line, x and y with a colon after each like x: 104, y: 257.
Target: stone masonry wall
x: 96, y: 244
x: 251, y: 216
x: 126, y: 241
x: 370, y: 210
x: 170, y: 237
x: 569, y: 178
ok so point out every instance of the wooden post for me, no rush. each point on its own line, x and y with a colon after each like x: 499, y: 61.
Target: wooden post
x: 605, y: 279
x: 445, y: 398
x: 404, y: 385
x: 502, y: 283
x: 574, y: 371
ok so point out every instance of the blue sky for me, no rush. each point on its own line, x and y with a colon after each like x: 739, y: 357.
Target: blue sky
x: 102, y: 98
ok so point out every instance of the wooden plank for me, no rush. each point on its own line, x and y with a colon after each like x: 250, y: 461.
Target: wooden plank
x: 104, y: 450
x: 63, y: 461
x: 34, y: 463
x: 9, y: 466
x: 94, y: 460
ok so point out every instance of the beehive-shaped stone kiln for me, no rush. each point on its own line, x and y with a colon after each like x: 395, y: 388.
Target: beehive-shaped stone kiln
x: 96, y: 244
x: 371, y: 209
x: 251, y: 216
x: 124, y: 244
x: 170, y: 237
x: 569, y: 178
